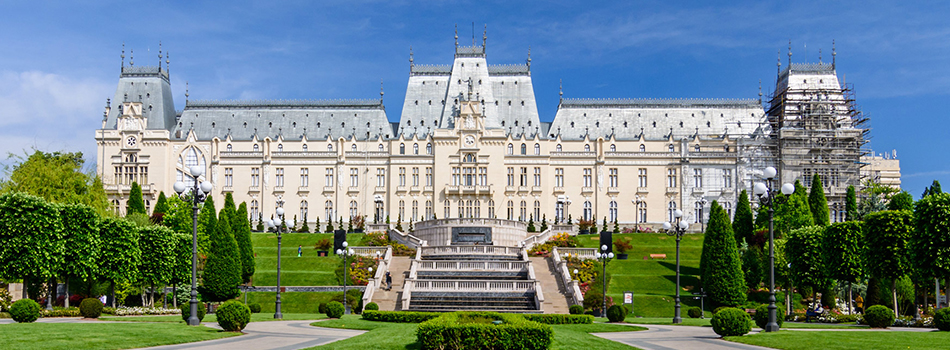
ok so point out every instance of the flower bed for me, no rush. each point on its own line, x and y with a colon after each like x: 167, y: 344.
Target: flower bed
x: 381, y: 239
x: 135, y: 311
x: 563, y: 240
x: 358, y: 270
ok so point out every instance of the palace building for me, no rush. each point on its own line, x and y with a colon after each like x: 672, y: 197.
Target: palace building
x: 470, y: 143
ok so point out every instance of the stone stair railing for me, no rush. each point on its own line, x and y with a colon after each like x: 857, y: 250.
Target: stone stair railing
x: 572, y: 285
x: 582, y: 253
x: 406, y: 239
x: 470, y: 250
x: 455, y: 265
x: 385, y: 255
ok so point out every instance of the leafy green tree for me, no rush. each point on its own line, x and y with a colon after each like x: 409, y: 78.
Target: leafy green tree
x: 876, y: 197
x: 242, y: 236
x: 329, y: 226
x: 181, y: 274
x: 222, y: 273
x: 934, y: 188
x: 803, y: 251
x: 842, y: 246
x: 720, y: 264
x: 794, y: 214
x: 930, y: 242
x: 901, y: 201
x: 851, y: 204
x: 157, y: 264
x: 82, y: 243
x: 120, y: 256
x: 31, y: 238
x: 56, y: 177
x: 207, y: 220
x: 887, y: 233
x: 818, y: 203
x: 136, y: 204
x: 752, y: 259
x: 742, y: 222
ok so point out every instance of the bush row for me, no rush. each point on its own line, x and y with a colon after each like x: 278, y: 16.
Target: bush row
x: 399, y: 316
x: 452, y: 331
x: 560, y: 319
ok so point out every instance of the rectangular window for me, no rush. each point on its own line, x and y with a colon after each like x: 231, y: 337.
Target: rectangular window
x: 727, y: 178
x: 380, y: 177
x: 402, y: 176
x: 613, y: 177
x: 559, y: 177
x: 415, y: 176
x: 280, y: 177
x: 697, y: 177
x: 511, y: 176
x: 304, y: 177
x: 228, y: 177
x: 255, y: 177
x: 329, y: 182
x: 428, y: 181
x: 670, y: 177
x: 524, y: 176
x: 456, y: 176
x: 354, y: 177
x: 537, y: 176
x: 588, y: 179
x: 483, y: 176
x: 642, y: 175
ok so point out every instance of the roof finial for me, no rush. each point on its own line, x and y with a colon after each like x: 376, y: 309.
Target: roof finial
x: 159, y: 56
x: 123, y: 55
x: 760, y: 91
x: 485, y: 36
x: 410, y: 57
x: 560, y: 89
x: 473, y: 33
x: 833, y: 53
x: 380, y: 91
x: 186, y: 92
x: 168, y: 65
x: 819, y: 55
x: 789, y: 53
x: 778, y: 62
x: 131, y: 58
x: 456, y: 35
x: 529, y: 58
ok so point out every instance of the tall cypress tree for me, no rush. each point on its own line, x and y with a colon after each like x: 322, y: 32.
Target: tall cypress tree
x: 136, y: 203
x: 720, y: 265
x: 161, y: 206
x: 742, y: 224
x: 241, y: 227
x: 230, y: 208
x: 207, y: 220
x: 851, y: 204
x: 222, y: 272
x: 818, y: 203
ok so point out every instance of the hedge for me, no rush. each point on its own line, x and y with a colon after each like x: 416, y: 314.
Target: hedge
x: 694, y: 312
x: 255, y: 308
x: 399, y: 316
x: 559, y: 318
x: 61, y: 312
x: 576, y: 309
x: 371, y: 306
x: 514, y: 332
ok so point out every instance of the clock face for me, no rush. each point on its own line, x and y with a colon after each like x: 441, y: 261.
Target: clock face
x: 469, y: 140
x: 130, y: 141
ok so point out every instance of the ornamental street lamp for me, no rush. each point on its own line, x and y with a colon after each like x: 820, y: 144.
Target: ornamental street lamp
x: 767, y: 197
x: 195, y: 194
x: 677, y: 229
x: 278, y: 223
x: 345, y: 252
x: 637, y: 202
x: 702, y: 208
x: 604, y: 258
x: 378, y: 199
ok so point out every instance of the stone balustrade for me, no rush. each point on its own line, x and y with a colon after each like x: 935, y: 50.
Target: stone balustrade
x: 450, y: 265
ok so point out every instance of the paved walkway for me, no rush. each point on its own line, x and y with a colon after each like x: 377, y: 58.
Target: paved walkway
x: 675, y: 337
x: 273, y: 335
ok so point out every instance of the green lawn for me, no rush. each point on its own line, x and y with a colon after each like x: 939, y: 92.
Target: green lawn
x: 259, y: 317
x: 384, y: 335
x: 705, y: 323
x: 879, y: 340
x: 76, y: 336
x: 308, y: 270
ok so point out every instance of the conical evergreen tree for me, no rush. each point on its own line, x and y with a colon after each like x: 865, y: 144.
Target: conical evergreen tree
x: 818, y: 203
x: 241, y: 227
x: 230, y: 208
x: 161, y: 206
x: 136, y: 203
x: 742, y: 224
x: 222, y: 273
x: 720, y: 264
x: 207, y: 220
x: 851, y: 204
x: 304, y: 228
x: 544, y: 222
x: 531, y: 227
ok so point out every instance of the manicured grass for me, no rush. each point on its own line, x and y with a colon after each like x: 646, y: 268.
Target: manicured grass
x: 860, y: 340
x: 307, y: 270
x: 76, y: 336
x: 258, y: 317
x: 668, y: 321
x: 295, y: 302
x: 384, y: 335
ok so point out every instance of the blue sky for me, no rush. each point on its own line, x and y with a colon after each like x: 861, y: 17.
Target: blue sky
x: 59, y: 61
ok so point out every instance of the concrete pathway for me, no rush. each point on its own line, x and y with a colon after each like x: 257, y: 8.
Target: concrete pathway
x: 274, y: 335
x: 674, y: 337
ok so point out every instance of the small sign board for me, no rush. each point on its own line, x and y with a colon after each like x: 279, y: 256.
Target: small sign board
x: 942, y: 300
x: 628, y: 297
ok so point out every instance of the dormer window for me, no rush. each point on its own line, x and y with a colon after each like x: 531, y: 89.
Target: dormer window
x: 229, y: 147
x: 305, y: 147
x: 643, y: 148
x: 558, y: 147
x: 280, y: 148
x: 329, y: 147
x: 586, y: 148
x: 257, y: 148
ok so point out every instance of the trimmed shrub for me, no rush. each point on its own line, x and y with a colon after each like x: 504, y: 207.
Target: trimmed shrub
x: 560, y: 319
x: 371, y: 306
x: 716, y: 310
x: 186, y: 311
x: 255, y: 308
x: 576, y: 309
x: 322, y: 308
x: 731, y: 322
x: 615, y: 313
x: 90, y: 308
x: 879, y: 316
x: 25, y: 310
x: 694, y: 312
x: 58, y: 311
x: 762, y: 316
x: 626, y: 310
x: 233, y: 316
x: 942, y: 319
x: 399, y: 316
x: 334, y: 309
x: 473, y: 330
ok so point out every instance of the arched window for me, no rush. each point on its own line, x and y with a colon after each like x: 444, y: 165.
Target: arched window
x: 428, y: 210
x: 586, y: 148
x: 558, y: 147
x: 670, y: 209
x: 613, y: 148
x: 537, y: 210
x: 613, y: 211
x: 698, y: 212
x: 255, y: 210
x: 415, y: 148
x: 329, y: 209
x: 380, y: 148
x: 461, y: 208
x: 189, y: 158
x: 511, y: 149
x: 478, y: 209
x: 429, y: 148
x: 696, y: 148
x: 354, y: 210
x: 672, y: 149
x: 229, y: 148
x: 537, y: 149
x: 588, y: 211
x: 469, y: 158
x: 402, y: 210
x: 415, y: 210
x: 524, y: 149
x: 257, y: 148
x: 448, y: 209
x: 511, y: 210
x: 303, y: 210
x: 642, y: 211
x: 491, y: 209
x: 402, y: 148
x: 523, y: 214
x: 280, y: 147
x: 643, y: 148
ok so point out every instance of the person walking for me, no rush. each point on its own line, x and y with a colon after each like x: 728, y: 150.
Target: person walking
x: 389, y: 281
x: 299, y: 250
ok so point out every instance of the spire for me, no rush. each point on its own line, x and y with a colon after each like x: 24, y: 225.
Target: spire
x: 473, y: 34
x: 380, y: 91
x: 560, y: 90
x: 168, y: 63
x: 819, y: 55
x: 456, y: 36
x: 123, y: 55
x: 528, y: 61
x: 186, y: 93
x: 410, y: 58
x: 789, y: 53
x: 778, y: 62
x: 159, y: 56
x: 760, y: 91
x: 485, y: 36
x: 131, y: 58
x: 833, y: 54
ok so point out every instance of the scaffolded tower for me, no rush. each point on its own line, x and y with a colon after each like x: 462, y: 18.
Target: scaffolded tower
x: 817, y: 129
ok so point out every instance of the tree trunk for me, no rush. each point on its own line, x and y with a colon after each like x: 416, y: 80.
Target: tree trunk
x: 850, y: 298
x: 175, y: 295
x: 894, y: 294
x: 26, y: 296
x: 112, y: 292
x: 66, y: 301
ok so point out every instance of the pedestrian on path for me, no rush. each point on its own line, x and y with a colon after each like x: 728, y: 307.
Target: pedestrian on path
x: 389, y: 281
x: 299, y: 250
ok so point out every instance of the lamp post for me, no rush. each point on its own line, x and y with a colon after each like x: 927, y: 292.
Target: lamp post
x: 677, y: 229
x: 604, y: 256
x: 278, y: 223
x: 195, y: 194
x: 702, y: 208
x: 767, y: 197
x: 378, y: 199
x: 637, y: 201
x: 345, y: 252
